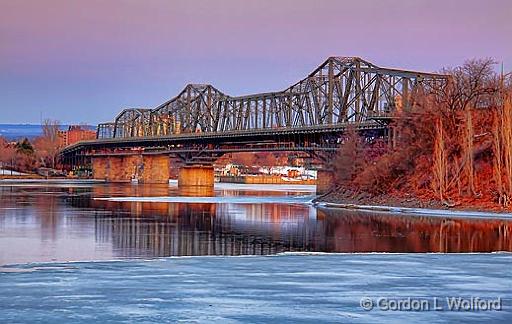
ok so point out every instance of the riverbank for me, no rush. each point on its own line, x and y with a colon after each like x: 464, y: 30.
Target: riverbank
x: 344, y: 198
x: 419, y: 211
x: 20, y: 177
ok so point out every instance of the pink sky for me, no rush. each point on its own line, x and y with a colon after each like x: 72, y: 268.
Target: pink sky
x: 85, y: 60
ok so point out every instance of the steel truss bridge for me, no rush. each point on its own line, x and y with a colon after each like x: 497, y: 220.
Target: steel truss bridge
x: 202, y: 123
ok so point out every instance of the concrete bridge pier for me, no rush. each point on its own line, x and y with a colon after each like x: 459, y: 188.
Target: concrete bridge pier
x: 145, y: 168
x: 99, y: 168
x: 155, y: 169
x: 111, y: 168
x: 196, y: 176
x: 324, y: 181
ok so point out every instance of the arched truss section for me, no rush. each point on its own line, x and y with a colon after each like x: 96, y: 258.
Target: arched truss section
x: 133, y: 122
x: 105, y: 130
x: 341, y: 90
x: 198, y: 108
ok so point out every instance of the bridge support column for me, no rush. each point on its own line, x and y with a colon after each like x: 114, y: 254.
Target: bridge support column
x: 110, y: 168
x: 146, y: 169
x: 324, y: 181
x: 116, y: 171
x: 99, y: 168
x: 130, y: 166
x: 196, y: 176
x: 156, y: 169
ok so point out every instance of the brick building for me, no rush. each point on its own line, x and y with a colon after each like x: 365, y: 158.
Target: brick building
x: 75, y: 133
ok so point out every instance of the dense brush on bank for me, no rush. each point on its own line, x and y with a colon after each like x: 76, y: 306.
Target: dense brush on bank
x: 452, y: 148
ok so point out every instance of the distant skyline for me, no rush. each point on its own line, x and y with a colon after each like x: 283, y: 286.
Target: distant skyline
x: 84, y: 61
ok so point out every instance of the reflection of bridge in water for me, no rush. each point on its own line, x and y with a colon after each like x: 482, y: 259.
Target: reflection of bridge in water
x: 208, y: 229
x: 65, y: 222
x: 163, y: 229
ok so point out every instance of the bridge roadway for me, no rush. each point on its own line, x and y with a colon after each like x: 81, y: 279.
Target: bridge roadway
x: 316, y: 136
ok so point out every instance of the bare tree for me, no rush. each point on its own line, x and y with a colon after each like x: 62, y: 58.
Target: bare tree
x: 7, y: 153
x: 472, y: 84
x: 468, y: 151
x: 47, y: 145
x: 439, y: 161
x: 349, y: 158
x: 498, y: 157
x: 506, y: 133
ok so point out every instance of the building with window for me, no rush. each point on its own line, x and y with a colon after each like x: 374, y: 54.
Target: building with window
x: 75, y: 133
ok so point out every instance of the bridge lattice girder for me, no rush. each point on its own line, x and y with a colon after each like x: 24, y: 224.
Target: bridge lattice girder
x: 132, y: 122
x: 341, y: 90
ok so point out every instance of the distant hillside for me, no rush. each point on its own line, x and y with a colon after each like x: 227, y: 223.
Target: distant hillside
x: 17, y: 131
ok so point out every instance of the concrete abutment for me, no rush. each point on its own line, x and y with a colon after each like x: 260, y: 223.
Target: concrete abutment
x: 196, y: 176
x: 110, y: 168
x: 155, y: 169
x: 150, y: 169
x: 144, y: 168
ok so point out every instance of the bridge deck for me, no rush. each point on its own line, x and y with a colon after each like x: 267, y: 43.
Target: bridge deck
x: 216, y: 138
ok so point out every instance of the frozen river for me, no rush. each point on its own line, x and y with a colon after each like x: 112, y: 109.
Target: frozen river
x: 50, y: 234
x: 278, y: 289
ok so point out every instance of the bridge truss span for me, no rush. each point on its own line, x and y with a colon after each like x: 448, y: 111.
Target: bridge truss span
x: 342, y: 90
x: 202, y: 123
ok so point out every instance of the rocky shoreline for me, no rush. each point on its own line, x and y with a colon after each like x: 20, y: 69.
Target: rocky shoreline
x: 346, y: 198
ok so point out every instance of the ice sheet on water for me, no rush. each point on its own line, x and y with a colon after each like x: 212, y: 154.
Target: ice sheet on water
x: 284, y: 288
x: 258, y: 187
x: 54, y: 183
x: 11, y: 172
x: 417, y: 211
x: 218, y: 200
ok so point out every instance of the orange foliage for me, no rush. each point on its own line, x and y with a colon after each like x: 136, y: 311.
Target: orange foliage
x: 444, y: 146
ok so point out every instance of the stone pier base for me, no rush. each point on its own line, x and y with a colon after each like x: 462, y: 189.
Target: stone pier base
x: 144, y: 168
x: 155, y: 169
x: 99, y: 168
x: 111, y: 168
x: 196, y: 176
